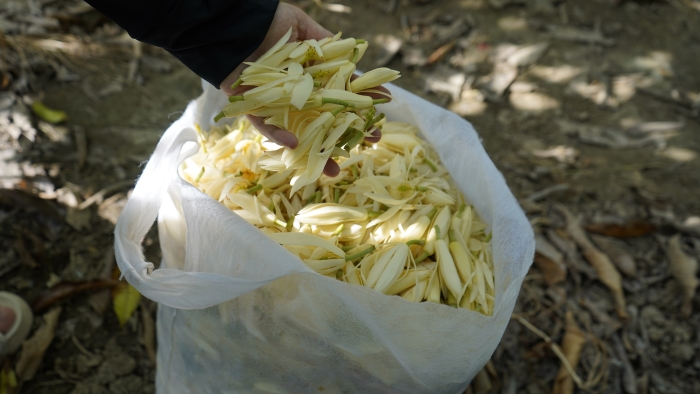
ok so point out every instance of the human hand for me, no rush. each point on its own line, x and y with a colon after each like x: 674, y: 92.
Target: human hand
x: 303, y: 28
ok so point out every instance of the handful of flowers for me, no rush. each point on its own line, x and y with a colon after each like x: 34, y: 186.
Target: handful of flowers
x: 307, y: 88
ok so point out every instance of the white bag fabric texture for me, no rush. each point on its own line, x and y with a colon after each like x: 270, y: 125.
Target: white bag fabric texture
x: 240, y: 314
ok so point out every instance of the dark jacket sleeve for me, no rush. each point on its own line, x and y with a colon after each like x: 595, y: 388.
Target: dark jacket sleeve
x: 211, y: 37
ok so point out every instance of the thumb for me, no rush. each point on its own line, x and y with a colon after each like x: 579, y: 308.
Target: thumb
x: 308, y: 28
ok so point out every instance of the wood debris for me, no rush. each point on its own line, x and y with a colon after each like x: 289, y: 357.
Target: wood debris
x: 684, y: 268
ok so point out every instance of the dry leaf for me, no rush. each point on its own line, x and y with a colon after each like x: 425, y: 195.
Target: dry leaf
x: 635, y: 228
x: 125, y: 300
x: 571, y: 345
x: 551, y: 271
x: 33, y: 348
x: 683, y: 268
x: 8, y: 380
x: 482, y: 383
x: 607, y: 273
x: 608, y: 321
x: 549, y: 260
x: 623, y: 261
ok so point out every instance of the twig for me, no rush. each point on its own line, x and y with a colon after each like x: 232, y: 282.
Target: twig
x: 80, y: 347
x: 555, y: 348
x: 538, y: 195
x: 101, y: 194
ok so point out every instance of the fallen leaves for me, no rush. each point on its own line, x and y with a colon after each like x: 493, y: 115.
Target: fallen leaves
x: 634, y: 228
x: 684, y: 269
x: 623, y: 261
x: 33, y: 348
x: 571, y: 346
x: 48, y: 114
x: 607, y: 273
x: 125, y: 300
x: 549, y: 261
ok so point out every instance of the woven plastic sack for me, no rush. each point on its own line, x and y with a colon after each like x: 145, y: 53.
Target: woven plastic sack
x: 240, y: 314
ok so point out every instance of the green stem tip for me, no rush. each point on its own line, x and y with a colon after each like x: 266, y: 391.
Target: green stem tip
x: 357, y: 255
x: 380, y: 101
x: 235, y: 84
x: 422, y: 257
x: 233, y: 99
x: 451, y: 234
x: 415, y: 242
x: 254, y: 189
x: 431, y: 164
x: 336, y: 195
x: 432, y: 213
x: 328, y: 100
x: 219, y: 117
x: 355, y: 55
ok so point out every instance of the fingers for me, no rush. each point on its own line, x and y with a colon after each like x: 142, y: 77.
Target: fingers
x: 375, y: 96
x: 273, y: 133
x: 308, y: 28
x: 7, y: 317
x: 376, y: 136
x: 332, y: 169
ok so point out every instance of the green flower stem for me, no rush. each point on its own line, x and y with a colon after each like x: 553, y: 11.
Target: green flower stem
x: 380, y: 101
x: 452, y: 236
x: 254, y: 189
x: 422, y: 257
x: 235, y: 84
x: 430, y: 163
x: 219, y: 117
x: 437, y: 232
x: 327, y: 100
x: 461, y: 209
x: 374, y: 121
x: 360, y: 41
x: 290, y: 223
x: 355, y: 55
x: 416, y: 242
x: 318, y: 198
x: 233, y: 99
x: 354, y: 140
x: 432, y: 213
x: 357, y: 255
x: 336, y: 195
x: 338, y: 110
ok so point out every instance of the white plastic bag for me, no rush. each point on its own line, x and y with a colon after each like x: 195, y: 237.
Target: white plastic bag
x: 240, y: 314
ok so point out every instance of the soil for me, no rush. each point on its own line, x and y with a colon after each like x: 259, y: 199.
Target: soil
x: 578, y: 126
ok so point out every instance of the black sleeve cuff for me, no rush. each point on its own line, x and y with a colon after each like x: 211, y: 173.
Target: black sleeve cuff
x: 210, y: 37
x: 220, y: 44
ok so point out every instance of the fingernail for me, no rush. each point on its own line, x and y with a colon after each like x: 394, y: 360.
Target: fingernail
x: 285, y: 138
x: 331, y: 169
x: 376, y: 136
x: 7, y: 319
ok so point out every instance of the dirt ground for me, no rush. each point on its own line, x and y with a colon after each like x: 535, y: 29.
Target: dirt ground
x: 590, y: 107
